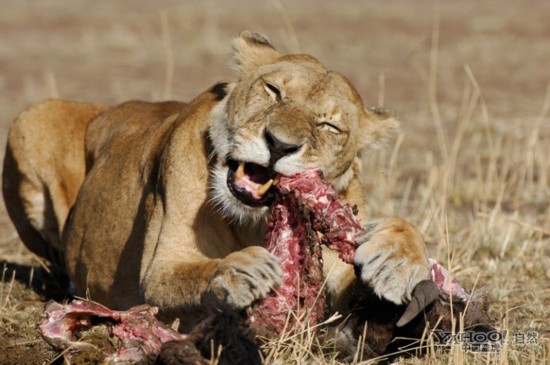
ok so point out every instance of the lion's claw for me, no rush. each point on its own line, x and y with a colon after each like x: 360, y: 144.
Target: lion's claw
x: 245, y: 276
x: 391, y: 258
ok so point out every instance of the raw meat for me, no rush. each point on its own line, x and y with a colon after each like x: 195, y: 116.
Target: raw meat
x: 307, y: 212
x: 91, y: 333
x: 133, y: 336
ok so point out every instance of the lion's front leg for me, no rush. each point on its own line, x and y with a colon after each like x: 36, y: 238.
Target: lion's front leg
x: 235, y: 281
x: 391, y: 258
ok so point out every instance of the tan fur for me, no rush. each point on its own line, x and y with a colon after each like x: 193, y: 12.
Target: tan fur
x: 154, y: 220
x: 43, y: 171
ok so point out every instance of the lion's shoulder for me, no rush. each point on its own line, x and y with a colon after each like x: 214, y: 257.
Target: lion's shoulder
x: 126, y: 126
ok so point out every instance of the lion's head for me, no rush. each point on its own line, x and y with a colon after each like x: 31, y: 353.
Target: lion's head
x: 287, y: 113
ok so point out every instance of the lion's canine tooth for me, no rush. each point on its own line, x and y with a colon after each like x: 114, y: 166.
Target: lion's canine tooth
x: 240, y: 171
x: 265, y: 187
x: 277, y: 179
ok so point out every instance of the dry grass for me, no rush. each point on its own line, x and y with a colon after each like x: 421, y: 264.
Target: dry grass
x: 468, y: 79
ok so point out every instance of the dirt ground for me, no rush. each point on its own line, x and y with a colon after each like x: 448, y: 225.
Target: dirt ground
x: 469, y: 80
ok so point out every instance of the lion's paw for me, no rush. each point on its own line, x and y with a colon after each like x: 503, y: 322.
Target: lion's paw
x: 391, y: 258
x: 244, y: 276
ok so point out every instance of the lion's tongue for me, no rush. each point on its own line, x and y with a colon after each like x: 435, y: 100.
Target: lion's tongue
x: 256, y: 190
x: 253, y: 180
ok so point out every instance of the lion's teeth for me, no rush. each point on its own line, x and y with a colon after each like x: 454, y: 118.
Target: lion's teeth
x: 277, y: 179
x: 265, y: 187
x: 240, y: 171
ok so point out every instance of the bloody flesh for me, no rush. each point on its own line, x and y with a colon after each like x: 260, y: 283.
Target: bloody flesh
x: 307, y: 212
x: 139, y: 333
x: 335, y: 220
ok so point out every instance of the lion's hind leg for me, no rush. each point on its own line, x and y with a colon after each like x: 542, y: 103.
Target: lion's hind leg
x: 43, y: 169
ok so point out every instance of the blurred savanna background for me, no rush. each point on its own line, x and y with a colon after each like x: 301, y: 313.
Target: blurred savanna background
x: 469, y: 80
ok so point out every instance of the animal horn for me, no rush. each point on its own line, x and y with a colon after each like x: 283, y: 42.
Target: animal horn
x: 425, y: 293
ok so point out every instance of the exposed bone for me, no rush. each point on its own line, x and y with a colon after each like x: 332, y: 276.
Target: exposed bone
x: 304, y: 206
x: 265, y: 187
x: 446, y: 282
x: 240, y: 171
x: 84, y: 330
x: 139, y: 332
x: 308, y: 212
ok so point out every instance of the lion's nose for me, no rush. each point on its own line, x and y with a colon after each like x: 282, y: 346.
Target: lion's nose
x: 277, y: 148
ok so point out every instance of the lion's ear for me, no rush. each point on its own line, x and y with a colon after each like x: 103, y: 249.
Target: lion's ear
x: 377, y: 126
x: 251, y: 50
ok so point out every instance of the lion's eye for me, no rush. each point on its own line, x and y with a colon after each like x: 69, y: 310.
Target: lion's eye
x: 329, y: 127
x: 273, y: 91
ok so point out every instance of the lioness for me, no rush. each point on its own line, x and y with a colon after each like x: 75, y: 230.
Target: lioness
x: 169, y: 200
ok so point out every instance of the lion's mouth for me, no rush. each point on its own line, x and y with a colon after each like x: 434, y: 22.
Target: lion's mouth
x: 251, y: 183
